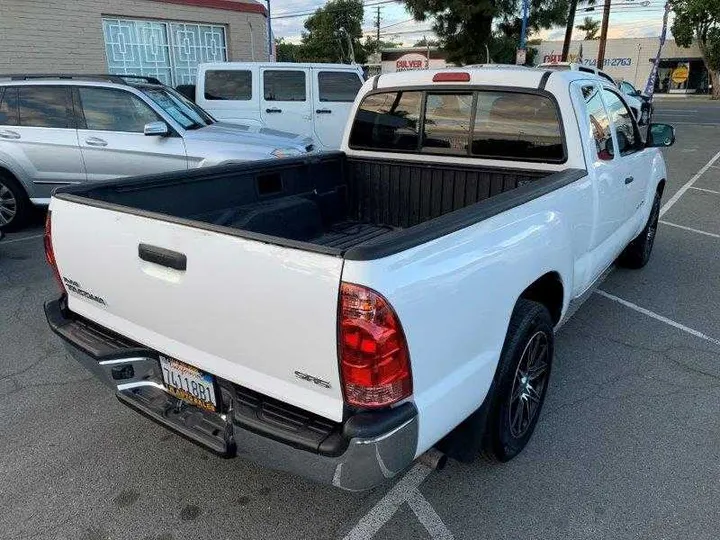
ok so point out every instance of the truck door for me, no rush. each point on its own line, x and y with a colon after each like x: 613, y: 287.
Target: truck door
x: 630, y: 155
x: 230, y: 95
x: 601, y: 159
x: 285, y: 102
x: 333, y: 96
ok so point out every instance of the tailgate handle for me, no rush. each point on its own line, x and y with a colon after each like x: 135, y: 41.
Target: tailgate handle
x: 162, y: 256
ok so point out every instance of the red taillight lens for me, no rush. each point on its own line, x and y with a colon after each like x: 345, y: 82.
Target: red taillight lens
x: 49, y: 253
x: 452, y: 76
x: 374, y: 357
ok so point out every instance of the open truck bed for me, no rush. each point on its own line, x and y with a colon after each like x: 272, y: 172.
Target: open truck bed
x: 332, y: 204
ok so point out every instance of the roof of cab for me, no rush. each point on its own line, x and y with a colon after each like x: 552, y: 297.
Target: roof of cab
x: 479, y: 76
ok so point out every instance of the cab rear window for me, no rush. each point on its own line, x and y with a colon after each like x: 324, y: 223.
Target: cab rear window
x: 484, y: 124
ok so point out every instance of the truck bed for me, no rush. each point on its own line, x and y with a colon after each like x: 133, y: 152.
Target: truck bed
x: 329, y: 203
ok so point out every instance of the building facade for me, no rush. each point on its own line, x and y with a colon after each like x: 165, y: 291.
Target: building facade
x: 632, y: 60
x: 166, y: 39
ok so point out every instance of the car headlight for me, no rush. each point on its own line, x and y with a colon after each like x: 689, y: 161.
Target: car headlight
x: 286, y: 152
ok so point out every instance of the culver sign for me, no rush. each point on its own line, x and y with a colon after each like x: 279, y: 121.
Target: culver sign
x: 411, y: 61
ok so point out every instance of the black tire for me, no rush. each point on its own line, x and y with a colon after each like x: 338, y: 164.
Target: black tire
x: 637, y: 253
x: 521, y: 381
x: 15, y: 206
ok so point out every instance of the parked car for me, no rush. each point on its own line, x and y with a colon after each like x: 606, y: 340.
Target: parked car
x: 641, y: 107
x: 60, y: 130
x: 647, y: 108
x: 312, y: 99
x: 339, y: 315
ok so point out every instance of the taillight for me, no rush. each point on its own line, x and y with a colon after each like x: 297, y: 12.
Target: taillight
x: 49, y: 253
x: 374, y: 357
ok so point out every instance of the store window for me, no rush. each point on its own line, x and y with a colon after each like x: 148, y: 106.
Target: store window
x: 168, y: 51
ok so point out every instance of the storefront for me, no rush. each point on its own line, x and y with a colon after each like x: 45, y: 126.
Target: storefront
x: 160, y: 38
x: 681, y: 69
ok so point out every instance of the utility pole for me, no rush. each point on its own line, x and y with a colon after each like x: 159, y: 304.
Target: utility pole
x: 269, y: 32
x: 603, y: 35
x: 569, y: 30
x: 377, y: 28
x: 520, y: 55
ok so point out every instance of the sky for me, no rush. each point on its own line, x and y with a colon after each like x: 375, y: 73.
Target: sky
x: 629, y: 18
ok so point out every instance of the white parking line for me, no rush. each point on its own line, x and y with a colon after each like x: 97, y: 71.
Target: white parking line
x: 705, y: 190
x: 683, y: 227
x: 658, y: 317
x: 405, y: 491
x: 13, y: 240
x: 668, y: 205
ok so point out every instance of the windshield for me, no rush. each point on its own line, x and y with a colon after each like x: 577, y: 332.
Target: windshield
x: 182, y: 110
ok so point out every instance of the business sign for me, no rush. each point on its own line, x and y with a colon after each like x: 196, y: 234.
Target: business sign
x: 411, y: 61
x: 680, y: 74
x: 592, y: 62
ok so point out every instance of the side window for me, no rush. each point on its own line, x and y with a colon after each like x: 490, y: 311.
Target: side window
x: 284, y: 85
x: 338, y: 86
x: 115, y: 110
x: 44, y: 106
x: 234, y: 85
x: 622, y: 118
x: 9, y: 107
x: 599, y: 122
x: 388, y: 121
x: 447, y: 123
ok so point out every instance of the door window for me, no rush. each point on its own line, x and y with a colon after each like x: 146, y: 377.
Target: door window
x: 115, y: 110
x: 338, y: 86
x: 599, y: 122
x: 447, y: 123
x: 388, y: 121
x: 284, y: 85
x: 9, y: 107
x: 44, y: 106
x: 625, y: 130
x: 228, y: 84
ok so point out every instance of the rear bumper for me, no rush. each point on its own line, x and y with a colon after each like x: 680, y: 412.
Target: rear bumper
x: 357, y: 454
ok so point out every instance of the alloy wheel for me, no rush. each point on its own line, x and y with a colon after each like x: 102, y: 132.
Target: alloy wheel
x: 529, y: 384
x: 8, y: 205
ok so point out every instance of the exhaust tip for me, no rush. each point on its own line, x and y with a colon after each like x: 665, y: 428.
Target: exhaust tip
x: 434, y: 458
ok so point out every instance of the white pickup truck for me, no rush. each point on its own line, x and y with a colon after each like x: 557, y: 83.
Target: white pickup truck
x: 338, y: 315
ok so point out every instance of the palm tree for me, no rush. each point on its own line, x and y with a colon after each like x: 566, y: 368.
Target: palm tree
x: 590, y: 27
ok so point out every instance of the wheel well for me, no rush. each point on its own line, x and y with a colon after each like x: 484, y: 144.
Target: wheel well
x: 661, y: 187
x: 7, y: 172
x: 548, y: 291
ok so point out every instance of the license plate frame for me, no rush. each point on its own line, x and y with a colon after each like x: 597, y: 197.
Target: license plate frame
x: 199, y: 389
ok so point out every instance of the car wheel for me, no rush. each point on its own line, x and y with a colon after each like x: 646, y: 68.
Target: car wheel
x: 521, y: 382
x: 14, y: 204
x: 637, y: 253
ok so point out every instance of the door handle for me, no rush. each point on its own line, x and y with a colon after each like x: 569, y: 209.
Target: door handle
x: 323, y: 111
x: 163, y: 257
x: 95, y: 141
x: 7, y: 134
x: 629, y: 180
x: 273, y: 110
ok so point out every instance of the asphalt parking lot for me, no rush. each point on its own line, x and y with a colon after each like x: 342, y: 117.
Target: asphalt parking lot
x: 628, y: 445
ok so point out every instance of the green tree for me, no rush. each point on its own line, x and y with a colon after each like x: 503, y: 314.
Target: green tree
x: 288, y: 52
x: 699, y: 20
x: 331, y: 29
x: 591, y: 27
x: 464, y: 27
x: 372, y: 46
x: 425, y: 42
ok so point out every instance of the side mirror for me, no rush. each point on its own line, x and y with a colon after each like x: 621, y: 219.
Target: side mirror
x: 660, y: 135
x: 157, y: 129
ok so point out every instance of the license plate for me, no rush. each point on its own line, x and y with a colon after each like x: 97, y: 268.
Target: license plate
x: 188, y: 383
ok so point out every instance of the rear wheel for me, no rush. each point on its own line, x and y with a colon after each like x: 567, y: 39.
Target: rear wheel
x: 14, y: 204
x: 521, y: 382
x: 637, y: 253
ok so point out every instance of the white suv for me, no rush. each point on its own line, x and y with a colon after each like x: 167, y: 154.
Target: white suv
x: 68, y: 129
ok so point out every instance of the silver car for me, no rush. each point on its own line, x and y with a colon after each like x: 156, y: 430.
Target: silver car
x: 59, y: 130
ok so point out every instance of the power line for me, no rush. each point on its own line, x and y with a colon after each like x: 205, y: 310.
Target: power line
x: 290, y: 15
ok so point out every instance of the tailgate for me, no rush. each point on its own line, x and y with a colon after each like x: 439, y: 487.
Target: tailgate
x: 246, y: 311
